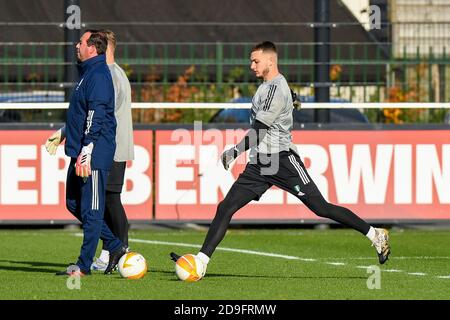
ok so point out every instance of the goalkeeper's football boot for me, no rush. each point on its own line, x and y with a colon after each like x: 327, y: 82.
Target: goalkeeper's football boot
x: 72, y: 270
x: 174, y: 257
x: 381, y: 244
x: 114, y: 259
x: 204, y: 268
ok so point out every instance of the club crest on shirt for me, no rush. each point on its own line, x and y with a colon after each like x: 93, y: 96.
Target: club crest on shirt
x: 297, y: 189
x: 261, y: 101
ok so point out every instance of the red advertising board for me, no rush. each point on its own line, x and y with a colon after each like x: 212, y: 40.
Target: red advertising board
x: 32, y: 183
x: 379, y: 174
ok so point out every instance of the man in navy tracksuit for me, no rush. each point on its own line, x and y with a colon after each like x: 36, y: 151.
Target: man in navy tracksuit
x: 90, y: 142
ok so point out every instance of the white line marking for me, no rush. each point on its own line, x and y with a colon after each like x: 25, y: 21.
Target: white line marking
x: 275, y: 255
x: 419, y: 257
x: 336, y: 263
x: 212, y: 105
x: 259, y: 253
x: 417, y: 273
x: 392, y: 258
x: 308, y: 259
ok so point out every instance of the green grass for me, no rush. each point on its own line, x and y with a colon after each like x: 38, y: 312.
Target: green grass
x: 29, y: 259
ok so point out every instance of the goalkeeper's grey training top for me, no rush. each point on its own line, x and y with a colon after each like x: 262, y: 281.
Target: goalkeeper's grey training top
x: 272, y: 105
x: 122, y: 111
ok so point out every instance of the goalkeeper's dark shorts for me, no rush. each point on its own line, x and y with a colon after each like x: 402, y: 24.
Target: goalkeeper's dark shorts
x: 284, y: 170
x: 116, y: 177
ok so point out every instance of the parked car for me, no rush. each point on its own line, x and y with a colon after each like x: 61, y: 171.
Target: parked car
x: 37, y: 96
x: 300, y: 116
x: 33, y: 96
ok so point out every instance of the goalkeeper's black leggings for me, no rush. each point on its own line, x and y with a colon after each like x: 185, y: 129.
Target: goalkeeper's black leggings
x: 238, y: 197
x: 115, y: 217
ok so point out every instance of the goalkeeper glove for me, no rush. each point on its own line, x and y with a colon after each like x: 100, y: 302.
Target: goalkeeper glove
x: 83, y: 165
x: 297, y: 104
x: 228, y: 156
x: 54, y: 141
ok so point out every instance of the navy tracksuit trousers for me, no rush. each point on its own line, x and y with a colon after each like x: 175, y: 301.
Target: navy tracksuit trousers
x: 86, y: 201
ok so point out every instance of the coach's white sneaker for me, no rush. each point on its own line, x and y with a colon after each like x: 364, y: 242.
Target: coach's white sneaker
x: 99, y: 265
x: 381, y: 244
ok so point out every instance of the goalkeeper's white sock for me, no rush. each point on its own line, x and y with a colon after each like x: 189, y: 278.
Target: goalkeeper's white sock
x: 371, y: 234
x: 104, y: 256
x: 203, y: 257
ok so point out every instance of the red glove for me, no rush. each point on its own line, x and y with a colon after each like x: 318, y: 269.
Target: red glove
x: 83, y: 165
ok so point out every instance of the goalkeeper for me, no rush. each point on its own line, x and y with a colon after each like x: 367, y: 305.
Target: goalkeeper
x: 115, y: 215
x: 274, y: 160
x: 90, y: 143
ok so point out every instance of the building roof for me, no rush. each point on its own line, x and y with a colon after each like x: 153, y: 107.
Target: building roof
x: 262, y: 12
x: 200, y: 21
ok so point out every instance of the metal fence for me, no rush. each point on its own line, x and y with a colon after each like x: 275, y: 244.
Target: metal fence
x: 406, y: 61
x: 359, y: 72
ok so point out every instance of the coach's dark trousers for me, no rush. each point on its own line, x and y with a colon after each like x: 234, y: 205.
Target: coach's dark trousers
x: 86, y: 201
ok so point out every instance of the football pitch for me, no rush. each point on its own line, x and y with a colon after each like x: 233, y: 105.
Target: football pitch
x: 250, y: 264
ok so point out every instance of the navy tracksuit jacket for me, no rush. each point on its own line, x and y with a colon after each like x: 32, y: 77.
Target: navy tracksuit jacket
x: 90, y: 118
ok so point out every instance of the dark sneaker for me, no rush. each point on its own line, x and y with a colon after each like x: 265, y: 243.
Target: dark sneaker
x: 174, y: 257
x: 72, y: 270
x: 114, y: 259
x: 381, y: 244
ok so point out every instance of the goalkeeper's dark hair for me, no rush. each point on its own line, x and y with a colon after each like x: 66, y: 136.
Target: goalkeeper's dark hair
x: 265, y: 46
x: 98, y: 40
